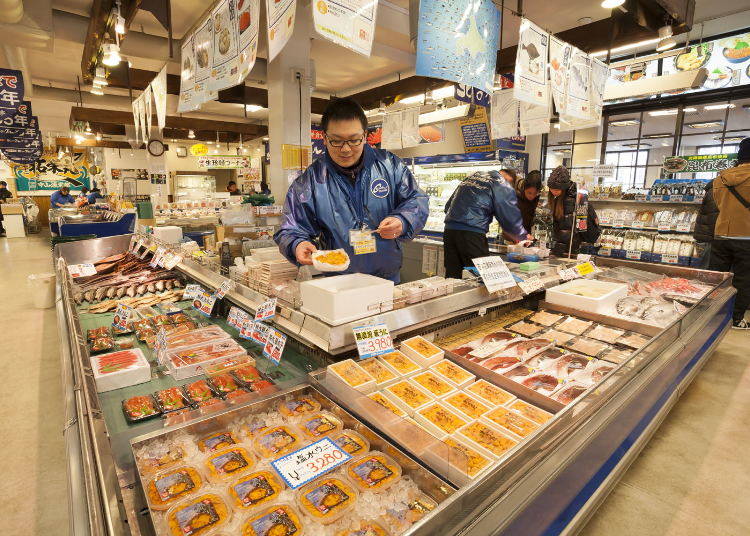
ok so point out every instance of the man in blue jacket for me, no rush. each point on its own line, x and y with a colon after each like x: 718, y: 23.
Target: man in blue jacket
x: 353, y: 187
x: 469, y: 212
x: 61, y: 198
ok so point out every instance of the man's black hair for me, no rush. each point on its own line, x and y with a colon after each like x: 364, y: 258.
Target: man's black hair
x: 230, y: 183
x: 343, y: 110
x: 3, y: 183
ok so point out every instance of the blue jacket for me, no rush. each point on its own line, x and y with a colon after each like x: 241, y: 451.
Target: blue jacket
x: 323, y: 206
x: 92, y: 197
x: 477, y: 199
x: 57, y: 199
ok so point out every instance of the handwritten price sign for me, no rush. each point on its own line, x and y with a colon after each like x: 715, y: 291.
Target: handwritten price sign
x: 225, y: 287
x: 310, y: 462
x: 372, y: 340
x: 266, y: 311
x: 81, y: 270
x: 274, y: 347
x: 494, y: 272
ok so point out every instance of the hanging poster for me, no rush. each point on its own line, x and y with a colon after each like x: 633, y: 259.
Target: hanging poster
x: 21, y: 138
x: 49, y: 173
x: 559, y: 71
x: 350, y: 24
x: 224, y: 46
x: 20, y: 116
x: 202, y: 47
x: 579, y: 95
x: 457, y: 41
x: 599, y: 74
x: 188, y: 101
x: 147, y: 111
x: 534, y: 119
x: 504, y: 114
x: 530, y: 80
x: 410, y: 136
x: 136, y: 117
x: 568, y: 123
x: 159, y: 89
x: 280, y: 15
x: 22, y: 156
x: 248, y: 27
x: 392, y: 128
x: 475, y: 131
x: 11, y: 89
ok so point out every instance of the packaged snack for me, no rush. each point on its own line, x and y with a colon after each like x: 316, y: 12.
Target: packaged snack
x: 439, y: 420
x: 224, y: 384
x: 298, y: 406
x: 217, y: 441
x: 605, y: 333
x: 255, y: 489
x: 327, y: 499
x: 530, y: 411
x: 247, y: 374
x: 170, y: 486
x: 587, y: 346
x: 526, y: 328
x: 510, y: 421
x: 451, y: 372
x: 387, y: 404
x: 574, y: 325
x: 139, y: 408
x: 422, y: 351
x: 382, y: 373
x: 364, y: 528
x: 491, y: 394
x: 278, y: 520
x: 373, y: 471
x: 485, y: 439
x: 197, y: 515
x: 408, y: 396
x: 277, y: 441
x: 172, y: 399
x: 633, y: 340
x: 199, y: 391
x: 400, y: 363
x: 545, y: 318
x: 351, y: 442
x: 229, y: 462
x: 319, y: 425
x: 558, y: 337
x: 403, y: 516
x: 541, y: 383
x: 434, y: 384
x: 352, y: 375
x: 466, y: 405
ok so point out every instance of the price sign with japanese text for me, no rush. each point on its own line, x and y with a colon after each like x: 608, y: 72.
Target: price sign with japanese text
x: 256, y: 331
x: 122, y: 317
x: 664, y: 227
x: 567, y: 274
x: 372, y: 340
x: 585, y: 268
x: 583, y: 257
x: 683, y: 228
x: 362, y: 242
x: 669, y: 258
x: 204, y: 303
x: 494, y: 272
x: 156, y: 260
x: 633, y: 255
x: 172, y: 260
x: 637, y: 224
x: 81, y: 270
x: 266, y: 311
x: 192, y: 291
x: 310, y: 462
x: 274, y: 347
x: 618, y: 223
x: 532, y: 284
x: 225, y: 287
x: 676, y: 198
x: 237, y: 317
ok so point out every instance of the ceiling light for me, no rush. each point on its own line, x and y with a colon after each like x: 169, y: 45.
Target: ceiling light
x: 625, y: 47
x: 557, y: 126
x: 625, y: 122
x: 96, y: 90
x: 414, y: 99
x: 664, y: 135
x: 444, y: 114
x: 719, y: 106
x: 671, y: 111
x: 111, y: 54
x: 610, y: 4
x: 729, y: 139
x: 636, y: 144
x: 253, y: 107
x: 100, y: 78
x: 666, y: 41
x: 191, y: 134
x: 705, y: 124
x: 265, y: 139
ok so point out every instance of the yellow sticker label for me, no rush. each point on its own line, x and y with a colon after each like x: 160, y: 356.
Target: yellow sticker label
x: 585, y: 268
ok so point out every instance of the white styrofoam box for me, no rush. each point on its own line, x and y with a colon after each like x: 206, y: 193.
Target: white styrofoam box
x: 120, y: 369
x: 603, y: 295
x: 168, y: 233
x: 422, y: 351
x: 344, y: 298
x: 351, y: 375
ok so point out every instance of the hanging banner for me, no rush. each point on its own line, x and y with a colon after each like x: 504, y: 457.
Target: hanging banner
x: 350, y: 24
x: 699, y: 163
x: 20, y: 116
x: 579, y: 95
x: 457, y: 41
x: 410, y: 136
x: 248, y: 26
x: 224, y: 46
x: 147, y: 111
x: 475, y: 131
x: 22, y: 156
x: 11, y: 89
x: 472, y: 95
x: 392, y: 129
x: 504, y: 114
x: 188, y: 101
x: 534, y: 119
x: 202, y: 47
x: 223, y: 162
x: 530, y: 80
x: 599, y: 74
x: 22, y: 142
x: 50, y: 173
x: 136, y: 117
x: 159, y: 89
x: 559, y: 71
x: 280, y: 15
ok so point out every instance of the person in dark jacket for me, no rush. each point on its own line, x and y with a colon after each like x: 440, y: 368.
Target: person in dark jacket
x: 469, y: 212
x: 4, y: 194
x: 528, y: 191
x: 563, y: 194
x: 705, y: 224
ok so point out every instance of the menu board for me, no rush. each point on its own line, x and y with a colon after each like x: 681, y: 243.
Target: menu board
x: 350, y: 24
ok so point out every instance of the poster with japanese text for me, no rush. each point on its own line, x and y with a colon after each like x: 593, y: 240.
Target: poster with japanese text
x: 350, y: 23
x: 248, y: 28
x: 579, y: 81
x: 280, y: 15
x: 530, y: 79
x: 504, y: 114
x: 560, y: 54
x: 224, y: 46
x: 188, y: 101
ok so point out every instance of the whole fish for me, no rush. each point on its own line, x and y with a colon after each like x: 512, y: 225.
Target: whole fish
x: 169, y: 284
x: 177, y: 283
x: 88, y: 296
x: 131, y: 291
x: 141, y: 289
x: 160, y: 285
x: 78, y: 298
x: 151, y: 288
x: 121, y: 292
x: 100, y: 293
x: 111, y: 292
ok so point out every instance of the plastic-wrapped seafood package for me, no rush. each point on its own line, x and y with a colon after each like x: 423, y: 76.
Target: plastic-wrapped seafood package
x: 593, y: 373
x: 633, y: 340
x: 586, y: 346
x: 630, y: 243
x: 546, y: 318
x: 526, y: 348
x: 568, y: 364
x: 574, y: 325
x: 615, y: 355
x: 545, y: 359
x: 526, y: 328
x: 604, y: 333
x: 569, y: 392
x: 541, y: 382
x: 687, y: 247
x: 660, y: 244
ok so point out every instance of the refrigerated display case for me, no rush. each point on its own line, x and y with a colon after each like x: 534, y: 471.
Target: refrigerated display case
x: 189, y: 187
x: 550, y: 482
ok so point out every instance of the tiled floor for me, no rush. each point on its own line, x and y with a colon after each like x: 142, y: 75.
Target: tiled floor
x: 691, y: 479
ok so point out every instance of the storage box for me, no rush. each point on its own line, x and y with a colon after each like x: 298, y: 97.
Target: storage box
x: 188, y: 362
x: 343, y: 298
x: 598, y: 296
x: 170, y: 234
x: 120, y: 369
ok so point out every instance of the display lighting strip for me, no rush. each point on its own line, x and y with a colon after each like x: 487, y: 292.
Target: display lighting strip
x: 671, y: 111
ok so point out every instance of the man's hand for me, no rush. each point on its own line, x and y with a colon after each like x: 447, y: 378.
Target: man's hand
x: 390, y: 228
x: 304, y: 251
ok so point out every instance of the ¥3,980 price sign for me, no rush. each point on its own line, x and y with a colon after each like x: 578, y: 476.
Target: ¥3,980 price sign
x: 308, y: 463
x: 372, y: 340
x: 495, y: 274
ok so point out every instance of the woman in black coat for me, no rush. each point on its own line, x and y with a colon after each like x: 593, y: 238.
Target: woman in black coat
x: 705, y: 225
x: 562, y: 205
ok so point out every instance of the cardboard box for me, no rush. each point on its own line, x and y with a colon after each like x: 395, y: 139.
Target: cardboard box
x: 11, y: 208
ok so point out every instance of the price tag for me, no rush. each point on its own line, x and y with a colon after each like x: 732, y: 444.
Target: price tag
x: 605, y: 220
x: 605, y: 252
x: 160, y: 345
x: 486, y: 350
x: 172, y: 260
x: 266, y: 311
x: 192, y: 291
x: 583, y: 257
x: 204, y: 303
x: 372, y: 340
x: 156, y: 260
x: 237, y: 317
x: 122, y: 316
x: 532, y: 284
x: 258, y: 332
x: 567, y: 274
x: 675, y: 198
x: 495, y: 274
x: 584, y: 268
x: 274, y: 347
x: 640, y: 197
x: 81, y: 270
x: 637, y: 225
x: 664, y: 227
x: 310, y: 462
x: 669, y: 258
x: 225, y: 287
x: 683, y: 228
x: 633, y: 255
x: 657, y: 198
x: 133, y: 242
x: 618, y: 223
x: 362, y: 242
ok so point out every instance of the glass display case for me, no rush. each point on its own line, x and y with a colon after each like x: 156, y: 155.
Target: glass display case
x: 194, y: 186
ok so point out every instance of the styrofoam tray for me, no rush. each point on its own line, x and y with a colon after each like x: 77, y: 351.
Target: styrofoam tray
x: 566, y: 294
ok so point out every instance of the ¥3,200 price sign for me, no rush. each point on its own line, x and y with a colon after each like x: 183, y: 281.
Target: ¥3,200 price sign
x: 308, y: 463
x: 372, y: 340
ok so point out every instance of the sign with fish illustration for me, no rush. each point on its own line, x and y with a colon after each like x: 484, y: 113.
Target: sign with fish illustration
x: 530, y: 78
x: 50, y: 173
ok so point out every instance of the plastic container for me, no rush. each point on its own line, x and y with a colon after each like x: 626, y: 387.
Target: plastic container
x: 527, y: 329
x: 171, y: 399
x: 327, y: 499
x: 524, y: 349
x: 335, y: 260
x: 351, y: 442
x: 120, y: 369
x: 386, y: 402
x: 589, y: 295
x: 546, y: 318
x: 373, y: 471
x: 558, y: 337
x: 228, y: 463
x: 140, y: 408
x: 281, y: 518
x: 298, y: 406
x: 277, y: 441
x: 403, y: 515
x: 489, y: 393
x: 188, y: 362
x: 437, y: 387
x: 198, y: 515
x: 42, y: 287
x: 224, y: 384
x: 422, y: 351
x: 510, y: 422
x: 408, y: 396
x: 351, y: 375
x: 439, y: 420
x: 344, y: 298
x: 455, y: 458
x: 217, y: 441
x: 452, y: 373
x: 172, y: 485
x: 98, y: 333
x: 199, y: 391
x: 569, y: 392
x: 543, y: 383
x: 171, y: 234
x: 400, y: 363
x: 587, y: 346
x: 196, y: 337
x: 319, y: 425
x: 381, y: 372
x: 487, y: 440
x: 530, y: 411
x: 604, y: 333
x: 365, y: 527
x: 255, y: 489
x: 466, y: 405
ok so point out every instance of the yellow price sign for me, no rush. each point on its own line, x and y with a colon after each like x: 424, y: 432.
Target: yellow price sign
x: 585, y: 268
x: 199, y: 149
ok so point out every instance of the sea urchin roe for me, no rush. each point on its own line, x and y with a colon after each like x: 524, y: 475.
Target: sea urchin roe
x: 410, y: 394
x: 277, y: 441
x: 335, y: 257
x: 475, y: 462
x: 433, y: 384
x: 228, y: 462
x: 255, y: 489
x: 278, y: 520
x: 170, y: 486
x: 444, y: 419
x: 387, y: 404
x: 511, y: 421
x: 327, y: 500
x: 491, y: 393
x: 197, y: 516
x: 377, y: 370
x: 484, y: 436
x: 350, y: 372
x: 453, y: 372
x: 374, y: 471
x: 469, y: 406
x: 400, y: 362
x: 529, y: 411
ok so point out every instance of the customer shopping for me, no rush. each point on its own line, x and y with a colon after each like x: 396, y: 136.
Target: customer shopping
x: 705, y: 224
x: 573, y: 218
x: 4, y: 194
x: 528, y: 192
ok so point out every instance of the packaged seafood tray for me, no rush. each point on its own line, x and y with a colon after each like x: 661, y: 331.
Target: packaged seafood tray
x: 102, y: 344
x: 187, y: 362
x: 491, y: 341
x: 455, y: 458
x: 434, y: 384
x: 510, y: 422
x: 569, y: 392
x: 584, y: 345
x: 195, y: 337
x: 452, y: 373
x: 574, y: 326
x: 383, y: 374
x: 172, y: 399
x: 527, y: 329
x: 400, y: 363
x: 350, y: 374
x: 590, y: 295
x: 98, y: 333
x: 120, y: 369
x: 408, y: 396
x: 439, y: 420
x: 199, y: 391
x: 211, y: 476
x: 487, y: 440
x: 421, y: 351
x: 545, y: 318
x: 530, y: 411
x: 140, y: 408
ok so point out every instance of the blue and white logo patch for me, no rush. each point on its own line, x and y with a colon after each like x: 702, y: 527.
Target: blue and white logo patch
x: 380, y: 188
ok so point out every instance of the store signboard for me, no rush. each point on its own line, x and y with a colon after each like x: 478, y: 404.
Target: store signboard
x: 189, y: 99
x: 50, y: 173
x: 218, y: 161
x: 225, y: 287
x: 475, y: 131
x: 579, y: 86
x: 280, y: 15
x: 699, y: 163
x: 472, y: 95
x: 457, y: 41
x: 81, y: 270
x: 560, y: 54
x: 530, y: 80
x: 308, y: 463
x: 513, y: 143
x: 534, y: 119
x: 11, y: 89
x: 350, y: 24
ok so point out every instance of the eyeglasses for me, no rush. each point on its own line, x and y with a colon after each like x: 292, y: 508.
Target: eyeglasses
x: 351, y: 143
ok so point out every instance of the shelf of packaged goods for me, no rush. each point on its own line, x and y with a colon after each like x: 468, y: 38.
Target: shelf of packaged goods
x: 697, y: 202
x: 637, y: 228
